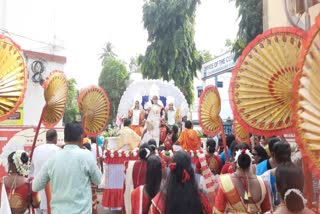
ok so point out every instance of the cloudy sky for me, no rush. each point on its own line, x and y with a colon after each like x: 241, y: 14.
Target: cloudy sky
x: 82, y: 27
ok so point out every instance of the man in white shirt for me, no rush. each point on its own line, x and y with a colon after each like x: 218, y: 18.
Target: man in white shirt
x: 41, y: 154
x: 94, y: 152
x: 94, y: 148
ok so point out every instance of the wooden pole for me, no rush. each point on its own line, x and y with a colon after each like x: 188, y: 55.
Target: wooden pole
x: 47, y: 188
x: 223, y: 136
x: 37, y: 133
x: 308, y: 186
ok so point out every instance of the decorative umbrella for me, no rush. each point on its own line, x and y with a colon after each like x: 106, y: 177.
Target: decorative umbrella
x: 95, y: 108
x: 209, y: 109
x: 261, y: 83
x: 240, y: 133
x: 13, y: 77
x: 209, y: 119
x: 55, y: 95
x: 306, y: 91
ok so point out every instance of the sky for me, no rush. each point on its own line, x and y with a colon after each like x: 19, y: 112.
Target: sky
x: 80, y: 28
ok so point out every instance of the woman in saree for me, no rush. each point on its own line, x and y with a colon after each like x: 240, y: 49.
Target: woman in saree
x: 135, y: 174
x: 292, y: 199
x: 142, y: 195
x: 213, y: 161
x: 242, y: 191
x: 18, y: 187
x: 180, y: 194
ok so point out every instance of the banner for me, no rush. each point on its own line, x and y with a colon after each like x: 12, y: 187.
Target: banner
x: 16, y: 119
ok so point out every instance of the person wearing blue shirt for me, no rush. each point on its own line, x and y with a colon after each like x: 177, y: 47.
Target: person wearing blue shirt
x: 229, y: 138
x: 70, y: 173
x: 265, y: 165
x: 281, y: 153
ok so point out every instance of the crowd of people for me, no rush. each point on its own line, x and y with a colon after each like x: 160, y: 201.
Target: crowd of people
x: 251, y: 182
x: 244, y: 178
x: 263, y: 176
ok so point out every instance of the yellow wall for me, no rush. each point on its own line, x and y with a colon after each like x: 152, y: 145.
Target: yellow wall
x: 274, y: 14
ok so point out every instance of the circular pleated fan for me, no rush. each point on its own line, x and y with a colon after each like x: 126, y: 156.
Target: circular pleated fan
x: 95, y: 108
x: 306, y: 101
x: 56, y: 96
x: 209, y: 109
x: 240, y: 133
x: 261, y: 83
x: 13, y: 77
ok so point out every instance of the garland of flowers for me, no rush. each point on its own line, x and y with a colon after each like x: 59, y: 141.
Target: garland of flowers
x: 134, y: 153
x: 22, y: 163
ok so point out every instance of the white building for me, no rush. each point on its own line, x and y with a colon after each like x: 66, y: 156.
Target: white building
x: 39, y: 66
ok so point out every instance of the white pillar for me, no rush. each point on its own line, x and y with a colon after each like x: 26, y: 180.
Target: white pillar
x: 3, y: 14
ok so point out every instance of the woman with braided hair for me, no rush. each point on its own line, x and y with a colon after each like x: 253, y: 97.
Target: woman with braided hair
x: 18, y: 186
x: 181, y: 194
x: 242, y: 191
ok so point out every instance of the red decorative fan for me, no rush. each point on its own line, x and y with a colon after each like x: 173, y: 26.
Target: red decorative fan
x: 261, y: 83
x: 306, y: 100
x: 209, y: 109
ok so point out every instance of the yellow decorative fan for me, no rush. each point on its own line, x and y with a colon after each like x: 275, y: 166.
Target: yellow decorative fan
x: 307, y: 99
x: 209, y: 109
x: 241, y: 134
x: 13, y: 77
x: 95, y: 108
x: 56, y: 96
x: 209, y: 119
x: 261, y: 84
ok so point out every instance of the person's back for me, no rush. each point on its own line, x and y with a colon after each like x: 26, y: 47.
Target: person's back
x: 69, y: 179
x: 242, y: 191
x: 70, y: 172
x: 289, y: 182
x: 40, y: 155
x: 189, y: 139
x: 128, y: 139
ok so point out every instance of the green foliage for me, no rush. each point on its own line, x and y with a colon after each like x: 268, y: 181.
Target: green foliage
x: 206, y: 56
x: 171, y: 54
x: 250, y: 25
x: 72, y: 109
x: 107, y: 52
x: 113, y: 79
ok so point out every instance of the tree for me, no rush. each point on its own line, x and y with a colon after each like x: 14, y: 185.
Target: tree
x: 206, y: 56
x: 113, y: 79
x: 107, y: 52
x: 72, y: 109
x: 134, y: 65
x: 171, y: 54
x: 250, y: 25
